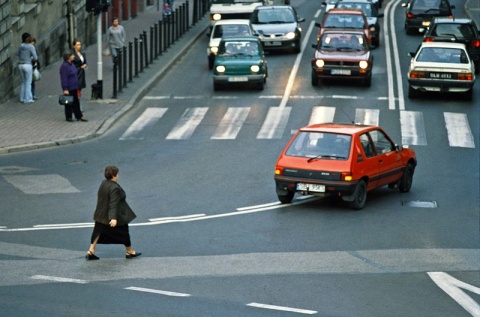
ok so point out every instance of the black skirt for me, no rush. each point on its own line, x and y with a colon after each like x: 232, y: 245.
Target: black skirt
x: 111, y: 235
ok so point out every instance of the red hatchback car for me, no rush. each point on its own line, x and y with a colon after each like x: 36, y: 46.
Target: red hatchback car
x: 344, y: 160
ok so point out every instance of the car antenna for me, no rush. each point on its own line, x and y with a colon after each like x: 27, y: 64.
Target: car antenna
x: 346, y: 114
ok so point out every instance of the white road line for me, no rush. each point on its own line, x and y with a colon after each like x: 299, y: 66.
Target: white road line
x: 156, y: 97
x: 231, y: 123
x: 387, y: 30
x: 296, y: 65
x: 148, y: 118
x: 175, y: 218
x: 413, y: 128
x: 187, y: 124
x: 283, y: 308
x: 58, y: 279
x: 275, y: 123
x: 321, y: 114
x: 344, y: 97
x: 452, y: 287
x: 459, y: 133
x: 80, y: 224
x: 367, y: 116
x: 154, y: 291
x: 398, y: 70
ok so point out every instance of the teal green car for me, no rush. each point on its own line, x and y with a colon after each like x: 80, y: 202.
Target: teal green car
x: 240, y: 60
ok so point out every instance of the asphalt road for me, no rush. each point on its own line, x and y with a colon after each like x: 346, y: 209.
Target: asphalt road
x: 215, y: 240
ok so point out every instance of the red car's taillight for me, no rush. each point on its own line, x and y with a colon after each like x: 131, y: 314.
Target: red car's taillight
x: 347, y: 176
x: 278, y: 170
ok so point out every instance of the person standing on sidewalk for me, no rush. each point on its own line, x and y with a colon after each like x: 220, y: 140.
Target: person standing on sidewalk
x: 112, y: 216
x: 27, y: 56
x: 35, y: 65
x: 80, y: 63
x: 69, y: 82
x: 116, y: 38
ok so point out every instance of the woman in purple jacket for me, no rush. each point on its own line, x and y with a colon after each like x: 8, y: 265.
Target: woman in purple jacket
x: 69, y: 82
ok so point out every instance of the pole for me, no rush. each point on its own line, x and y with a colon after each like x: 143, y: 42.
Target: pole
x: 99, y: 56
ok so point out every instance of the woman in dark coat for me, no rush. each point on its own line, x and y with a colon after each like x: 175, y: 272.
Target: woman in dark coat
x: 112, y: 216
x: 69, y: 82
x: 80, y: 63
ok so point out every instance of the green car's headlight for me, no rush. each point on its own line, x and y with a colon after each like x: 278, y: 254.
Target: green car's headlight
x: 220, y: 69
x: 255, y: 68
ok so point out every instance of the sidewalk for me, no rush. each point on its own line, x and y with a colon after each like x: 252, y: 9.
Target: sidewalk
x: 42, y: 124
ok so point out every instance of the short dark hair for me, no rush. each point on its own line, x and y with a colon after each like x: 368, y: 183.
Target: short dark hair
x: 24, y: 36
x: 111, y: 172
x: 67, y: 54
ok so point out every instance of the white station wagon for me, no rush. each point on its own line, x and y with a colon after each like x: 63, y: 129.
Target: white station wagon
x: 441, y: 67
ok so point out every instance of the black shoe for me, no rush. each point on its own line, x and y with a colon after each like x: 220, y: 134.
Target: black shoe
x: 91, y: 256
x: 70, y: 120
x: 133, y: 255
x: 81, y: 119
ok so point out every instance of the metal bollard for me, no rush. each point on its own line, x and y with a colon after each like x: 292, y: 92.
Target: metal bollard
x: 136, y: 57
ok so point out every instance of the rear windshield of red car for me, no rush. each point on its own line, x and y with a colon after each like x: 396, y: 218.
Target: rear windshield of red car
x: 321, y: 145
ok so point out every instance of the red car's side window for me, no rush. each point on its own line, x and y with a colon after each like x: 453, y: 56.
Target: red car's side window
x: 367, y: 145
x: 381, y: 142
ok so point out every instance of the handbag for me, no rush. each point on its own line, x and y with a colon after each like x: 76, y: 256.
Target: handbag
x: 36, y: 75
x: 106, y: 51
x: 65, y: 100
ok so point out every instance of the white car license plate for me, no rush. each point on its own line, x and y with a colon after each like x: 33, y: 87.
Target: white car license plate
x: 237, y: 78
x: 345, y: 72
x: 311, y: 187
x: 441, y: 75
x: 274, y: 43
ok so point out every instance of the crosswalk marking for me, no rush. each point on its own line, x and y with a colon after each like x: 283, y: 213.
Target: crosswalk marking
x: 367, y: 116
x: 149, y: 117
x: 413, y: 128
x: 187, y: 124
x: 321, y: 114
x: 231, y: 123
x: 459, y: 133
x: 275, y: 123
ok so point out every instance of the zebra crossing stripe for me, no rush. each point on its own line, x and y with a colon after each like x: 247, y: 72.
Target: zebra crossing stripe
x: 413, y: 128
x: 321, y: 114
x: 148, y: 118
x: 367, y: 116
x: 275, y: 123
x: 187, y: 124
x: 459, y: 133
x: 231, y: 123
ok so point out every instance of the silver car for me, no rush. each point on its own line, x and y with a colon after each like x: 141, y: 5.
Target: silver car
x: 441, y: 67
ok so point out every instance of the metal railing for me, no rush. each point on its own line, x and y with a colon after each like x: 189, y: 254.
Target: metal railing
x: 137, y: 56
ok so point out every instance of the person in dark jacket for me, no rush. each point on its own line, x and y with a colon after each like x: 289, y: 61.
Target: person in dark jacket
x: 112, y: 216
x: 80, y: 63
x: 69, y: 82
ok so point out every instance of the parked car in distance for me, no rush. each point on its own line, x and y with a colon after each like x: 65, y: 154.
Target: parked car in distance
x: 277, y: 27
x: 225, y: 28
x: 341, y: 55
x: 441, y: 67
x: 420, y: 13
x: 240, y: 60
x: 350, y: 19
x: 344, y: 160
x: 456, y: 31
x: 371, y: 12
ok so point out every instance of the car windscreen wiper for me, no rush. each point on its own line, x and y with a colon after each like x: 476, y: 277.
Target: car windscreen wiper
x: 325, y: 156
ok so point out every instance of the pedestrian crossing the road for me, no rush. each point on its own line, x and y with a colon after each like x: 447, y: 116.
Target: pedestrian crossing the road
x: 412, y: 125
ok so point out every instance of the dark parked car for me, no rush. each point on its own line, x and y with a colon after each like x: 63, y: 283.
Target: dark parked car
x: 277, y: 27
x: 458, y: 31
x: 420, y: 13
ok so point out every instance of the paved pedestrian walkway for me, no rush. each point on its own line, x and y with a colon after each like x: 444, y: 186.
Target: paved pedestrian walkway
x: 42, y: 124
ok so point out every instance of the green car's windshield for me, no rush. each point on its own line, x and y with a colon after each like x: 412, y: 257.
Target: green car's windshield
x: 236, y: 48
